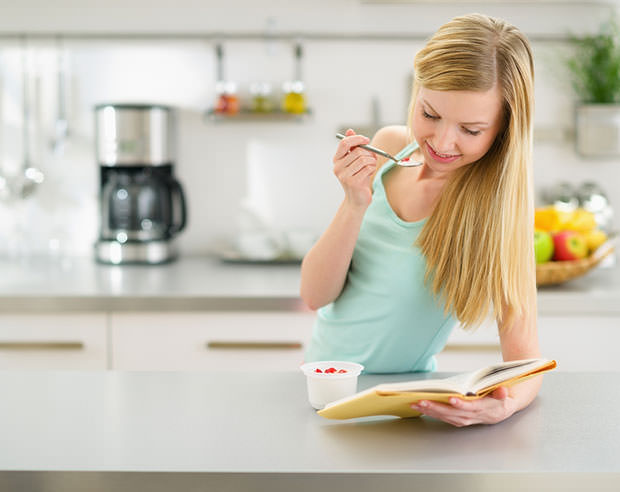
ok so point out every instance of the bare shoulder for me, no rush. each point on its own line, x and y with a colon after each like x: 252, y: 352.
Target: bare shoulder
x: 392, y: 139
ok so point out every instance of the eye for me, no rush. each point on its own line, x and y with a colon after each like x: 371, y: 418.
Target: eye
x: 471, y: 132
x: 429, y: 116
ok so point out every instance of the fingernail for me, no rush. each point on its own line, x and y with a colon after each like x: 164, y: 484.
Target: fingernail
x: 424, y: 404
x: 453, y: 401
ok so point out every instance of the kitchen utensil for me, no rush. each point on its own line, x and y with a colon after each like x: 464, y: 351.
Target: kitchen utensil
x: 5, y: 192
x: 61, y: 126
x: 400, y: 162
x: 26, y: 182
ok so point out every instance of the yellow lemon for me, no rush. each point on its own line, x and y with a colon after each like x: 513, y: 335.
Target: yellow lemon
x: 581, y: 221
x: 594, y: 239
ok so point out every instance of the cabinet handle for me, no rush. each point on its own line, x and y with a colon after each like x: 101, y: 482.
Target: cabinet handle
x: 472, y: 347
x: 225, y: 344
x: 40, y: 345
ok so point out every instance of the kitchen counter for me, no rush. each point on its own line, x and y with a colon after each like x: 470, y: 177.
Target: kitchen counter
x: 126, y: 431
x: 189, y: 284
x: 204, y: 284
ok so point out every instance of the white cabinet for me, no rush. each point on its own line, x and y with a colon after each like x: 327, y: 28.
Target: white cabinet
x: 176, y: 341
x: 53, y: 341
x: 577, y: 343
x: 470, y: 350
x: 262, y: 340
x: 581, y: 343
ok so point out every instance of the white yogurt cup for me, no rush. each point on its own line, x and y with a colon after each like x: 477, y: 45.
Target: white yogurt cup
x: 324, y: 388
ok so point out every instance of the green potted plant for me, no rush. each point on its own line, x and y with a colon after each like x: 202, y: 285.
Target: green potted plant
x: 594, y: 67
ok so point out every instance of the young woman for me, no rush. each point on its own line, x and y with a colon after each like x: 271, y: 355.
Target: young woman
x: 412, y: 251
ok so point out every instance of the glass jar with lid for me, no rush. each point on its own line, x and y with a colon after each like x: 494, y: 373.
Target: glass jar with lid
x: 294, y: 100
x: 227, y: 101
x: 261, y: 99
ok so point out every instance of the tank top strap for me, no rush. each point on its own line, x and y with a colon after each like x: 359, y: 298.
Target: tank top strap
x: 404, y: 152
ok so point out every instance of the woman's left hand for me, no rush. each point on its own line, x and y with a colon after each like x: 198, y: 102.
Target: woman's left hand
x: 491, y: 409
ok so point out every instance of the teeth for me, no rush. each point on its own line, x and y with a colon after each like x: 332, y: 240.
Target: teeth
x: 445, y: 156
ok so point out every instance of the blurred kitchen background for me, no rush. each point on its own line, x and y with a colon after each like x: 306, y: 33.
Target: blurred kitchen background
x: 265, y: 173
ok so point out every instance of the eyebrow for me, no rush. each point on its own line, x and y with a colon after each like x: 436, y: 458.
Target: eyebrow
x: 483, y: 123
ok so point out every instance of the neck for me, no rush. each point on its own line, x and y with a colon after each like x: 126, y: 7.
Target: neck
x: 427, y: 174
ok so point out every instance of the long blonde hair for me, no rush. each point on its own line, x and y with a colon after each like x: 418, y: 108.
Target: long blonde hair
x: 478, y: 242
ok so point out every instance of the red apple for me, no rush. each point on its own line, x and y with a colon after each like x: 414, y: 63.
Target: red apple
x: 569, y: 245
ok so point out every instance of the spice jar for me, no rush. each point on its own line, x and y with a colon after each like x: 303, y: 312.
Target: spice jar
x: 227, y: 99
x: 294, y: 100
x: 261, y: 97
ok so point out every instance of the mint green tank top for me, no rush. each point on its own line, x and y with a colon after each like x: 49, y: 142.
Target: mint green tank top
x: 385, y: 317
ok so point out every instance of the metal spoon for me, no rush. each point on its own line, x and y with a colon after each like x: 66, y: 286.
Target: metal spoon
x: 405, y: 162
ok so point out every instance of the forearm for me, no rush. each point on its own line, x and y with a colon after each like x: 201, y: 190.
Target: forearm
x: 524, y: 393
x: 324, y: 268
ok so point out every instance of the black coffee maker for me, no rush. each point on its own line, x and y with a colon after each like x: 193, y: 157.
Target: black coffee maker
x: 142, y: 205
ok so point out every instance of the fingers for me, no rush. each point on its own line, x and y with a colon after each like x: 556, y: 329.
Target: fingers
x: 354, y: 167
x: 350, y: 141
x: 458, y: 412
x: 355, y: 162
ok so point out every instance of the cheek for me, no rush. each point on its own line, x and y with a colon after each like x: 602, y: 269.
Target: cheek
x: 422, y: 128
x: 477, y: 147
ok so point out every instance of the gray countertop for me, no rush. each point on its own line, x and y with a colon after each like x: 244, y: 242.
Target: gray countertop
x: 210, y: 427
x: 205, y: 283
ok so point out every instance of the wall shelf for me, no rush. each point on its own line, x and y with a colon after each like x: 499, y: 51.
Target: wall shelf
x: 252, y: 117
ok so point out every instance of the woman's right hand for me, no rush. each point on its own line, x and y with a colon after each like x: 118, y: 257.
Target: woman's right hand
x: 354, y: 168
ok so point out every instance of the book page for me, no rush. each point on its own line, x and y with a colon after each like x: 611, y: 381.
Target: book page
x: 453, y: 384
x: 492, y: 375
x: 467, y: 383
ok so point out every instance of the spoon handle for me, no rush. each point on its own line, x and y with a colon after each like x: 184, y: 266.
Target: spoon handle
x: 372, y: 149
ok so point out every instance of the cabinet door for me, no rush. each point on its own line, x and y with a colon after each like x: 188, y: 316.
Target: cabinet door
x: 470, y: 350
x: 209, y: 341
x: 580, y: 343
x: 53, y: 341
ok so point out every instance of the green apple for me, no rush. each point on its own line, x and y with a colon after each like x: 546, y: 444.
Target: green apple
x: 543, y: 246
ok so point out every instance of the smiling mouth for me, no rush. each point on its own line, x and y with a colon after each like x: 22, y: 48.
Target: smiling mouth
x: 445, y: 156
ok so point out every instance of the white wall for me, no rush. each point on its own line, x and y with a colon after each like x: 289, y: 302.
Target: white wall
x: 284, y: 168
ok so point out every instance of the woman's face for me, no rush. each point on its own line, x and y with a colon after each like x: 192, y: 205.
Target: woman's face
x: 456, y: 128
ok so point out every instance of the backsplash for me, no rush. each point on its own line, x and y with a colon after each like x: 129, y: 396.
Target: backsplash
x: 282, y: 170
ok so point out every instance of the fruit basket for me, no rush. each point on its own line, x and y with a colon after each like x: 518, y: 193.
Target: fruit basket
x: 557, y: 272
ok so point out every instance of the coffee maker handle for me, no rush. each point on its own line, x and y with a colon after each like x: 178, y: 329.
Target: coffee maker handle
x: 179, y: 197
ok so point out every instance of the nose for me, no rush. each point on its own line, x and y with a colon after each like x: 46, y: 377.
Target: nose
x: 445, y: 139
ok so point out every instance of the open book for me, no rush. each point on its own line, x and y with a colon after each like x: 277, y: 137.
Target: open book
x: 396, y: 398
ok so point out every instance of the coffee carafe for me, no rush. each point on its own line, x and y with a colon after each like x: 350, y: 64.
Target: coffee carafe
x: 142, y: 205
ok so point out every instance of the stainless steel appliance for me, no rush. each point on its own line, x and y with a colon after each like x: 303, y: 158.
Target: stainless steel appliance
x: 142, y: 205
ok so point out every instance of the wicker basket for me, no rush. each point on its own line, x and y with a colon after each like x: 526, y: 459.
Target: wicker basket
x: 557, y: 272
